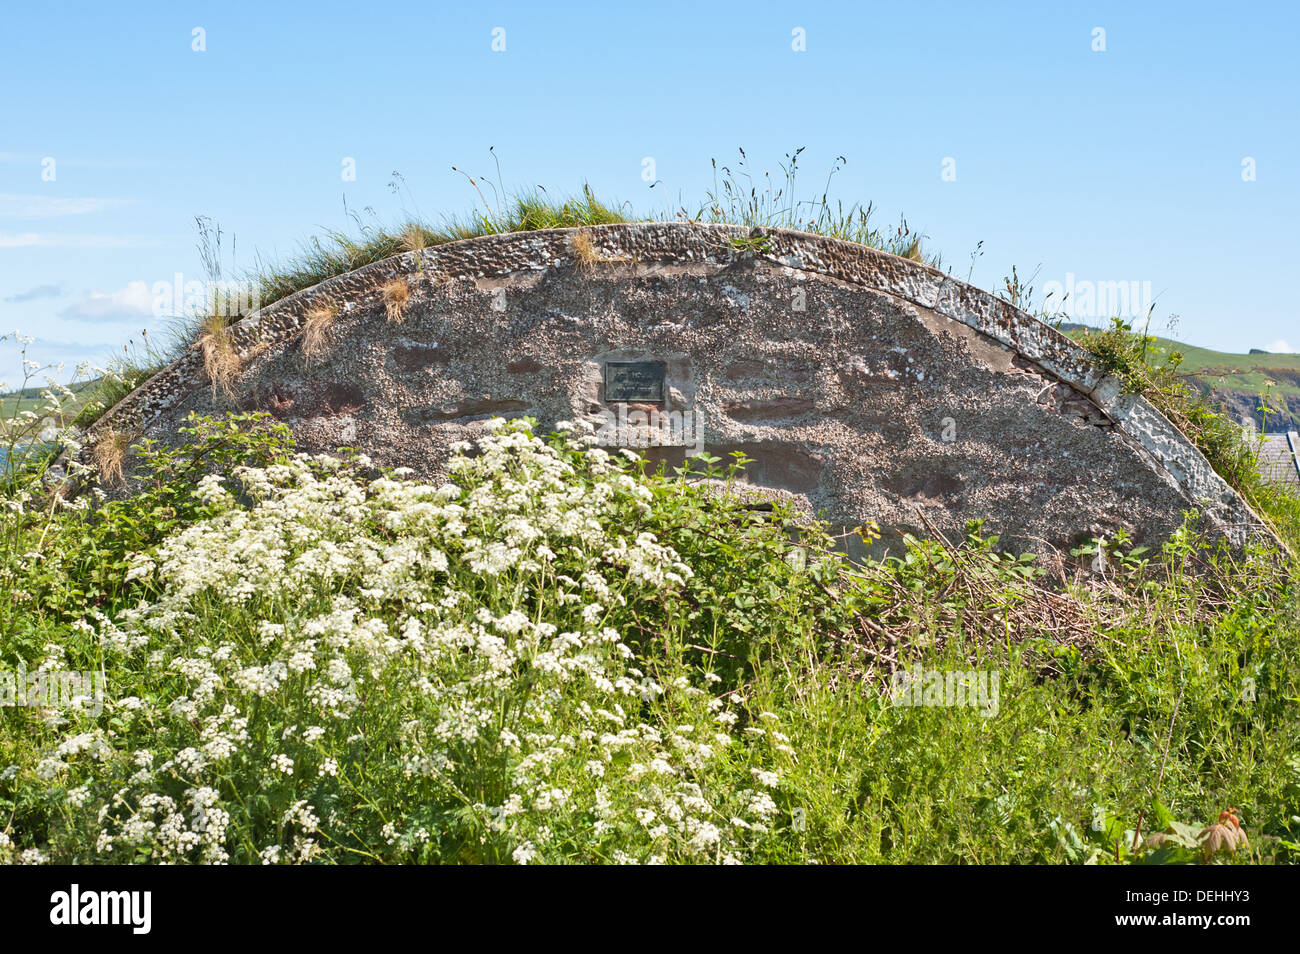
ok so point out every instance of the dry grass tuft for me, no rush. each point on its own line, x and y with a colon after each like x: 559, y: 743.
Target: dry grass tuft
x: 109, y: 456
x: 585, y: 253
x: 220, y: 360
x: 913, y: 251
x: 413, y: 238
x: 318, y: 331
x: 397, y: 292
x: 584, y: 250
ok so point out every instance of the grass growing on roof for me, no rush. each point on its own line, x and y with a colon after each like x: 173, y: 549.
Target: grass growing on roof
x: 1147, y: 368
x: 738, y: 197
x: 336, y: 252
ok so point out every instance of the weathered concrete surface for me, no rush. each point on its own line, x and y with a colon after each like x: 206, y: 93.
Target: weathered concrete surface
x: 865, y: 386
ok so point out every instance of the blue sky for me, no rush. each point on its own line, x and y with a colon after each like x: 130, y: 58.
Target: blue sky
x: 1123, y: 165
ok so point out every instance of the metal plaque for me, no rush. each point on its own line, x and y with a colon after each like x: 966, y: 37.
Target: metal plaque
x: 639, y: 382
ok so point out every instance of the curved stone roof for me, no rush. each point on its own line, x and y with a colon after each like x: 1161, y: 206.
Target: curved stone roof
x: 663, y: 268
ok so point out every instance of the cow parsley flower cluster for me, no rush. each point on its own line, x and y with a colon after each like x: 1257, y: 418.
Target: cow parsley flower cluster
x: 334, y: 667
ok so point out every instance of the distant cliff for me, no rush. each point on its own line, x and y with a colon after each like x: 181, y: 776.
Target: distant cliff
x: 1239, y: 381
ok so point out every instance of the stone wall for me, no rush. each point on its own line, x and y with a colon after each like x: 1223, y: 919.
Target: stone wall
x: 863, y: 385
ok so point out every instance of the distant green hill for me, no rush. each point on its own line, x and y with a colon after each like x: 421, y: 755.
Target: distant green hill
x: 1237, y: 381
x: 14, y: 401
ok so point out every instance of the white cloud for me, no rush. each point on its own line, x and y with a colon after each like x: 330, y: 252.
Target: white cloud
x: 57, y: 240
x: 1281, y: 347
x: 47, y: 206
x: 133, y: 301
x: 37, y: 292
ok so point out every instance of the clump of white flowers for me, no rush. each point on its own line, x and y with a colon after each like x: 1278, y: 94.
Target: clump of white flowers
x: 329, y: 667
